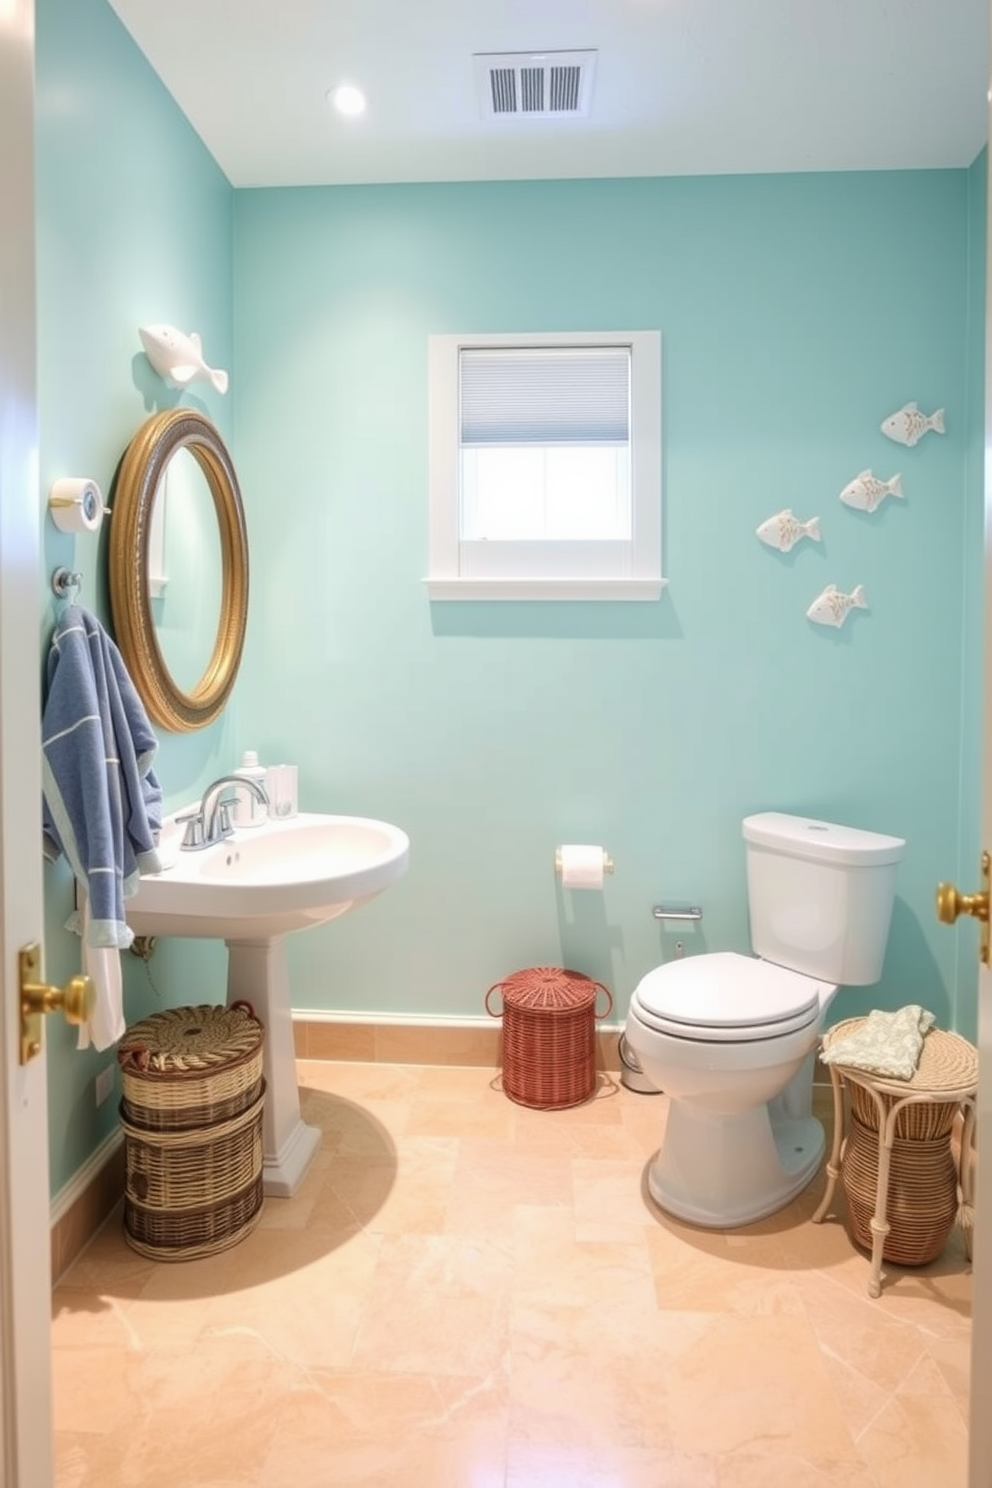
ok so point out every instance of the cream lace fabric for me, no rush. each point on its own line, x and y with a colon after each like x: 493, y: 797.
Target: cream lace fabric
x: 886, y: 1044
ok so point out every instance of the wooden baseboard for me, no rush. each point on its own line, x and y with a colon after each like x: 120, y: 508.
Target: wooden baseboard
x: 422, y: 1041
x: 86, y: 1203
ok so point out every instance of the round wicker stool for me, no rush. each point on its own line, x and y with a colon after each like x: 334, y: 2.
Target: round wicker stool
x: 549, y: 1035
x: 903, y: 1189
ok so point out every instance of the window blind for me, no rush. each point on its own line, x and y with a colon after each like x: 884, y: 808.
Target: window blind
x: 521, y: 395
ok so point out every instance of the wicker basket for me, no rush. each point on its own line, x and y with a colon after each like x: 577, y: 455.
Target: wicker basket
x: 192, y: 1106
x: 193, y: 1193
x: 190, y: 1066
x: 549, y: 1035
x: 923, y: 1193
x: 923, y: 1197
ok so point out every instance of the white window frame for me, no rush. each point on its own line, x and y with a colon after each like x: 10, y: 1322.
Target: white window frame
x: 549, y: 569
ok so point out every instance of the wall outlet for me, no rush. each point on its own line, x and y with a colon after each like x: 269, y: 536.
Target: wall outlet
x: 104, y: 1083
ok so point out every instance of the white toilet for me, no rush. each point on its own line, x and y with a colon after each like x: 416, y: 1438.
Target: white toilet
x: 731, y: 1039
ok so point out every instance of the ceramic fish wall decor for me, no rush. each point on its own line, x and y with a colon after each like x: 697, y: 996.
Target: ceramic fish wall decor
x: 909, y: 425
x: 866, y: 492
x: 178, y: 358
x: 784, y: 530
x: 832, y: 607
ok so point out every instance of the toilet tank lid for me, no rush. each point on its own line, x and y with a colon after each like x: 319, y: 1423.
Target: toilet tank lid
x: 805, y: 837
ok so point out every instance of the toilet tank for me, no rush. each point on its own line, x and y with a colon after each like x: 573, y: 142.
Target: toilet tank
x: 820, y: 896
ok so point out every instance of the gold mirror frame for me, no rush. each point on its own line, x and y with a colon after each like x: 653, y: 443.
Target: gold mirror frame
x: 137, y: 482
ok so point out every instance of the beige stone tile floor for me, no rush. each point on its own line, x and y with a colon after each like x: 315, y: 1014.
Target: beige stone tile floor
x: 468, y: 1293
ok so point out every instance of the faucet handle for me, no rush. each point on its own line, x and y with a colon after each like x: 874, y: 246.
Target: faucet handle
x: 193, y: 834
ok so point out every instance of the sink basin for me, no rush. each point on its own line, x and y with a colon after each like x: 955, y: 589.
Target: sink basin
x: 266, y: 881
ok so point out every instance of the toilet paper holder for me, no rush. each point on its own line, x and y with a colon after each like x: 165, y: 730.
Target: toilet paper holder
x: 76, y: 504
x: 677, y: 912
x: 607, y: 862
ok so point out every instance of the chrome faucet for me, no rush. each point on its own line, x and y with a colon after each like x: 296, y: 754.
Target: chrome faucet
x: 212, y: 822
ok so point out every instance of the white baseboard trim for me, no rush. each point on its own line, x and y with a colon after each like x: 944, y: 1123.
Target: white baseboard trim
x: 389, y: 1020
x: 81, y: 1180
x: 410, y: 1020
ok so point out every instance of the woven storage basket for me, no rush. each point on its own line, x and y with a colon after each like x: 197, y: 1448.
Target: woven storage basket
x: 193, y: 1193
x: 922, y: 1200
x: 192, y: 1106
x: 549, y: 1035
x: 189, y: 1066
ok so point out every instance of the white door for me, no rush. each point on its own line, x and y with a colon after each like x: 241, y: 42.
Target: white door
x: 980, y: 1445
x: 25, y: 1280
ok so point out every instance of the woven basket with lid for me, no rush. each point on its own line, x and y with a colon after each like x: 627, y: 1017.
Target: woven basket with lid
x: 188, y: 1066
x: 549, y: 1035
x: 191, y: 1112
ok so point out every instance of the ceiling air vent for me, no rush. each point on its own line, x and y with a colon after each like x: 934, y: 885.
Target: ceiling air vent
x: 534, y: 85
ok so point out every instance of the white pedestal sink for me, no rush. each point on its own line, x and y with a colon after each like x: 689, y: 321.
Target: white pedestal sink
x: 252, y: 890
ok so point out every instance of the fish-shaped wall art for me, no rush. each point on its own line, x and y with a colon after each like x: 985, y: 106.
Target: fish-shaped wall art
x: 178, y: 358
x: 784, y: 530
x: 832, y: 607
x: 909, y: 425
x: 866, y: 492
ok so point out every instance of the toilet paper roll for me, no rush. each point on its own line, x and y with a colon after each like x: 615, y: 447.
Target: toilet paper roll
x: 76, y: 505
x: 581, y: 865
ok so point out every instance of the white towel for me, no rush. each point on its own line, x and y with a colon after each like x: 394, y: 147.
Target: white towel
x: 103, y: 964
x: 887, y: 1044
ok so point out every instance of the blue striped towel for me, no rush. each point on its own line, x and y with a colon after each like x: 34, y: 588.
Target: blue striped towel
x: 102, y: 801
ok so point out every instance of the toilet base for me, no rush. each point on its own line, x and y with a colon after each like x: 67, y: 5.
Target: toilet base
x: 721, y: 1171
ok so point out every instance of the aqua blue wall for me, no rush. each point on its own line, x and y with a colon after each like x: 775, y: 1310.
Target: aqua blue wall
x: 134, y: 225
x: 797, y: 312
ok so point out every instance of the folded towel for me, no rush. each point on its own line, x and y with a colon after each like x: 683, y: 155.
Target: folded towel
x: 886, y: 1044
x: 102, y: 803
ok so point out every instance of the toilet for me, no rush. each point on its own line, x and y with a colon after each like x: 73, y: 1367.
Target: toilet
x: 732, y: 1038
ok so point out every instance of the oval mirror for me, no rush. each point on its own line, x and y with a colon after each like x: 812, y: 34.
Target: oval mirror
x: 164, y: 630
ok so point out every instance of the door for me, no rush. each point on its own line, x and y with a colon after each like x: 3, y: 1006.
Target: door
x: 980, y: 1443
x: 25, y: 1280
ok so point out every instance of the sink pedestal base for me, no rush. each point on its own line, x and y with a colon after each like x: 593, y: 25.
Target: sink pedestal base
x: 257, y: 971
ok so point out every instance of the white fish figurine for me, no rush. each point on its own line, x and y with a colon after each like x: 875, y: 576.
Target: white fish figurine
x: 832, y: 608
x: 866, y: 492
x: 909, y: 425
x: 784, y: 530
x: 178, y: 358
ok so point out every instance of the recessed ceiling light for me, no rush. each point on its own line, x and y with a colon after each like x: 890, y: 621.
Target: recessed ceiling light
x: 348, y: 99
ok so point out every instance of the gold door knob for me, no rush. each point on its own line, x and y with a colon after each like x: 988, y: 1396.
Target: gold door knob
x: 75, y: 1000
x: 951, y: 904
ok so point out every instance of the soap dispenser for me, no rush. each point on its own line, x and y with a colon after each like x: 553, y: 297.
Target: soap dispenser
x: 248, y: 810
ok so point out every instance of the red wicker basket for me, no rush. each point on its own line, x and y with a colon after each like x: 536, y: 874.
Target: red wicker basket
x: 549, y: 1035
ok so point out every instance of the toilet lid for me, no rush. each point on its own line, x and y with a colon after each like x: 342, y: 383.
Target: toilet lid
x: 722, y: 995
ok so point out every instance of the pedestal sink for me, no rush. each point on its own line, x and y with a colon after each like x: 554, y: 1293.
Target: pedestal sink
x: 252, y: 890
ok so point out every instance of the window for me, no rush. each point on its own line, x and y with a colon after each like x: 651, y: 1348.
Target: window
x: 545, y: 475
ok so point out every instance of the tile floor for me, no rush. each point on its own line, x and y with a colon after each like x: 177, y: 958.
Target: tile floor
x: 467, y: 1293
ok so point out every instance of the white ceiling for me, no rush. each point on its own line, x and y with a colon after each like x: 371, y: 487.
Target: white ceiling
x: 681, y: 86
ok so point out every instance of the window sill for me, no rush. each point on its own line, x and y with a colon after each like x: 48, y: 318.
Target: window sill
x: 538, y: 588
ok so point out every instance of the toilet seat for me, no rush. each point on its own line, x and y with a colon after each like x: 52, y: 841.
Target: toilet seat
x: 723, y: 997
